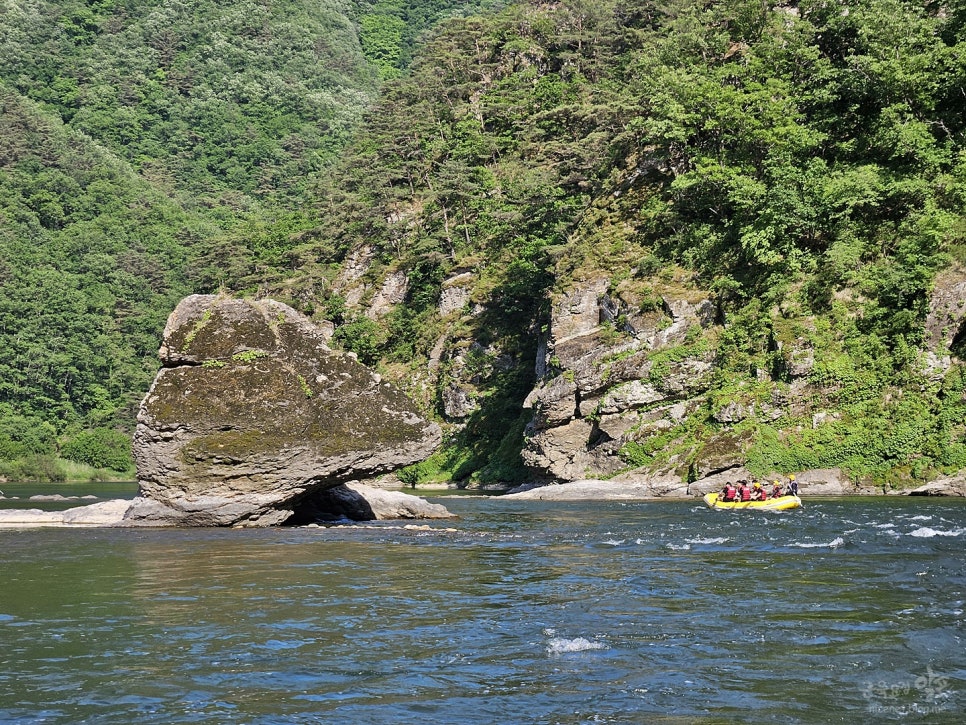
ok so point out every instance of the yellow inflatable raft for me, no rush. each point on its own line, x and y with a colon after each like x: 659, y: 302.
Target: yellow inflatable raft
x: 771, y: 504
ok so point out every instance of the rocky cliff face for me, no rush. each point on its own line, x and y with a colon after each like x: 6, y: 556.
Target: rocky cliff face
x: 645, y: 378
x: 606, y: 385
x: 633, y: 391
x: 946, y: 322
x: 252, y: 418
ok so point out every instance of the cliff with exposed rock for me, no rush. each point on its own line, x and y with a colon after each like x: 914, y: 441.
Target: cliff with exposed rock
x: 643, y: 246
x: 647, y: 397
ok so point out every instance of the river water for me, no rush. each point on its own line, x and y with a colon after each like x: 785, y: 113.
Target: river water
x: 849, y: 610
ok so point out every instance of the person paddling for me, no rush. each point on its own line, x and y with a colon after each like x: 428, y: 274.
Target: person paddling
x: 776, y: 489
x: 792, y: 485
x: 729, y: 492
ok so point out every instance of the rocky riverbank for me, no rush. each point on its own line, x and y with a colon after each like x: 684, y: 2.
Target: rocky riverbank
x: 810, y: 483
x: 353, y: 501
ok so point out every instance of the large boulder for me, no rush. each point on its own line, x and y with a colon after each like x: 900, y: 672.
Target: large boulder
x: 252, y: 417
x: 955, y: 486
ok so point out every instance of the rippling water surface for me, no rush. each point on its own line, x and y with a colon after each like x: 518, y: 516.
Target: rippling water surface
x: 849, y: 610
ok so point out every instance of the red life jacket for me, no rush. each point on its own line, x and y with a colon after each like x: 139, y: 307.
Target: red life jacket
x: 764, y: 494
x: 745, y: 493
x: 730, y: 492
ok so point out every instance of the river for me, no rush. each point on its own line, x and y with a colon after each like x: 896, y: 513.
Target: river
x: 848, y: 610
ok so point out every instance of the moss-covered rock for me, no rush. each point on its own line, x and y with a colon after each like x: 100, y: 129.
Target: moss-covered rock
x: 252, y: 415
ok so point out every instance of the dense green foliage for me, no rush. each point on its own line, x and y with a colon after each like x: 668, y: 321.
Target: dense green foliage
x: 99, y: 448
x: 214, y: 98
x: 803, y: 160
x: 147, y: 151
x: 805, y: 157
x: 389, y: 30
x: 92, y: 260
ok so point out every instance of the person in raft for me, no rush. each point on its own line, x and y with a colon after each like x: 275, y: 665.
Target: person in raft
x: 744, y: 493
x: 792, y: 485
x: 776, y: 489
x: 759, y: 493
x: 729, y: 492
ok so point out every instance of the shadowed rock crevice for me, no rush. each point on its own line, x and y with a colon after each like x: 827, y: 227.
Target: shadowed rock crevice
x: 958, y: 345
x: 359, y: 502
x: 331, y: 505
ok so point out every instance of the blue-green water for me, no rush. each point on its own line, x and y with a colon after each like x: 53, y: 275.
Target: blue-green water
x: 849, y: 610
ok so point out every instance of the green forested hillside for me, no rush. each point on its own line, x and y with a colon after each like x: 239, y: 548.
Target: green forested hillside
x: 756, y: 145
x: 91, y: 256
x: 212, y: 98
x: 149, y: 150
x: 802, y: 162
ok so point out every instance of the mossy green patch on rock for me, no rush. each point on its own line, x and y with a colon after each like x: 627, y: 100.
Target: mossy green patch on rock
x: 195, y: 329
